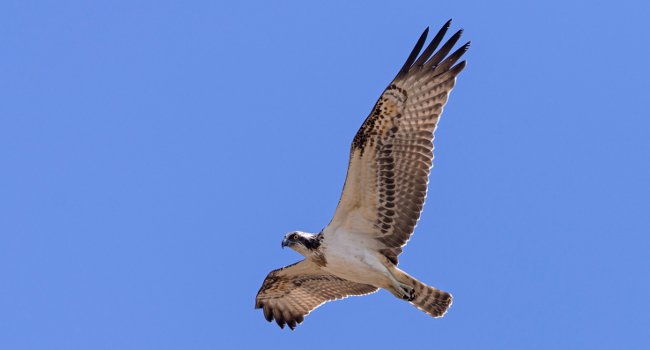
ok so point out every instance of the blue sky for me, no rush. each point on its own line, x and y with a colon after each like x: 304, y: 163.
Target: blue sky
x: 154, y: 153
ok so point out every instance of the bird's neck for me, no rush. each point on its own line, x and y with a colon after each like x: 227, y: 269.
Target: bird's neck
x: 309, y: 245
x: 313, y: 242
x: 315, y: 250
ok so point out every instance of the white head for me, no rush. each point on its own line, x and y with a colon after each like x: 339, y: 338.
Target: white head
x: 302, y: 242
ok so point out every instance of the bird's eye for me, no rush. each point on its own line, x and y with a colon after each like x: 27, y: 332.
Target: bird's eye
x: 293, y: 237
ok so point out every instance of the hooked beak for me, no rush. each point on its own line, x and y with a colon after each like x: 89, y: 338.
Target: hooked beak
x: 285, y: 242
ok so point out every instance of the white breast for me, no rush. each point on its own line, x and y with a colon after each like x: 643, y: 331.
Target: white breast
x: 351, y: 256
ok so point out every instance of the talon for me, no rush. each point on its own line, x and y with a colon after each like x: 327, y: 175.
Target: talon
x: 408, y: 292
x: 412, y: 295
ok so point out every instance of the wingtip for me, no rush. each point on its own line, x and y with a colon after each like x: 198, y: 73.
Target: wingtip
x: 459, y: 67
x: 280, y: 322
x: 423, y: 36
x: 448, y: 23
x: 268, y: 314
x: 414, y: 55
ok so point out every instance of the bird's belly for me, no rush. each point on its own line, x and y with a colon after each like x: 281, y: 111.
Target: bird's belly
x: 357, y: 265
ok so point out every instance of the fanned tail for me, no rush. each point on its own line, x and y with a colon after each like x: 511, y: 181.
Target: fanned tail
x: 434, y: 302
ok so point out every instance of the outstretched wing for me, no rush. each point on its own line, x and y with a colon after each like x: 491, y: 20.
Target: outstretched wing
x: 392, y: 152
x: 290, y: 293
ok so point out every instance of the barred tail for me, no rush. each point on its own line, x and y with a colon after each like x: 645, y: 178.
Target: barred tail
x: 434, y: 302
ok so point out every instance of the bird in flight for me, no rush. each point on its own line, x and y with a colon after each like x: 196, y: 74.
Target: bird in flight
x: 386, y: 185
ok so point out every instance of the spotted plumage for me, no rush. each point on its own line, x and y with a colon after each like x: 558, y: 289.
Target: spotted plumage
x: 383, y: 195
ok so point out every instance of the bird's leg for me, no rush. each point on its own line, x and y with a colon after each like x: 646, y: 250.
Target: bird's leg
x: 399, y: 289
x: 405, y: 291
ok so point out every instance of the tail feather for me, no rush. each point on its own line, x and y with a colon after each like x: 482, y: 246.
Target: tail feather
x: 434, y: 302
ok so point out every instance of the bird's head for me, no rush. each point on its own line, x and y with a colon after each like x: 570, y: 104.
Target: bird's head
x: 302, y: 242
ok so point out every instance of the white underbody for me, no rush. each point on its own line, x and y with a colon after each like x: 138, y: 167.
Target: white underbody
x: 352, y: 257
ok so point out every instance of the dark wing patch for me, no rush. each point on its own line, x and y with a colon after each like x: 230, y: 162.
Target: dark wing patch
x: 392, y: 153
x: 292, y: 292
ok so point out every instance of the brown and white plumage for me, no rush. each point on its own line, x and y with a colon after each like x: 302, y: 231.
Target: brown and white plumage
x: 290, y: 293
x: 392, y: 152
x: 384, y: 192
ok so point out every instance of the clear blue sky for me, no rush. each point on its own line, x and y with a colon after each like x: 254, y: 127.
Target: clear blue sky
x: 154, y: 153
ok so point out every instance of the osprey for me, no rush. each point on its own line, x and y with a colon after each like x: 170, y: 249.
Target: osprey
x: 386, y: 185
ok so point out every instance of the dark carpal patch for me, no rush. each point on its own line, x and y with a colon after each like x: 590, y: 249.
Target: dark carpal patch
x: 386, y: 110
